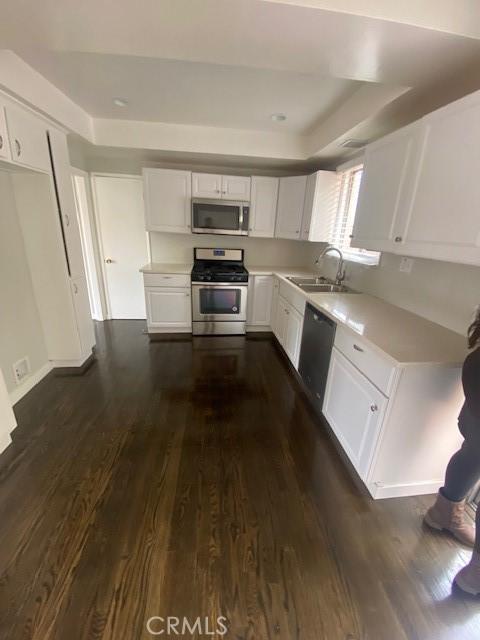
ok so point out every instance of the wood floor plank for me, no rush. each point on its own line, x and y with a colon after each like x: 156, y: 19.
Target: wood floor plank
x: 191, y: 479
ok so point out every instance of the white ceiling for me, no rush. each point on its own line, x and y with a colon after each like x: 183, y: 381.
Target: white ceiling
x: 195, y: 93
x: 230, y: 64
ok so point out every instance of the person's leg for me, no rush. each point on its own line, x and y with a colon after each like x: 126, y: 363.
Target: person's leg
x: 463, y: 472
x: 468, y: 578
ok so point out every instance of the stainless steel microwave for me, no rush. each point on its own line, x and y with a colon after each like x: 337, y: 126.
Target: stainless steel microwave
x: 220, y: 216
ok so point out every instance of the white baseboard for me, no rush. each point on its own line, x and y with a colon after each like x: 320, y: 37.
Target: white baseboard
x: 32, y: 380
x: 404, y: 490
x: 58, y: 364
x: 252, y: 328
x: 169, y: 329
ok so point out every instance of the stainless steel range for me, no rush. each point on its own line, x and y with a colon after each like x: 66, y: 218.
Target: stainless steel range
x: 219, y: 292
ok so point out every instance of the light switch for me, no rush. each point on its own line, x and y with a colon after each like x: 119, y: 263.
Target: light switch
x: 406, y: 265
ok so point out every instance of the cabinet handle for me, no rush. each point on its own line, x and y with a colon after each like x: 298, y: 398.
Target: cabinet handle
x: 1, y: 142
x: 75, y: 288
x: 18, y: 147
x: 187, y: 295
x: 109, y: 261
x: 351, y: 235
x: 398, y: 238
x: 373, y: 408
x: 67, y: 219
x: 297, y: 231
x: 357, y: 348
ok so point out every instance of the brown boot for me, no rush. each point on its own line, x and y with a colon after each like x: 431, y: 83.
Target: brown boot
x: 446, y: 515
x: 468, y: 578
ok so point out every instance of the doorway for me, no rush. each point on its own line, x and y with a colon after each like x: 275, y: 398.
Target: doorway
x: 123, y: 243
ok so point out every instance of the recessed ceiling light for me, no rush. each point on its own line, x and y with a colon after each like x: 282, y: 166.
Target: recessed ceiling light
x: 278, y: 117
x: 120, y: 102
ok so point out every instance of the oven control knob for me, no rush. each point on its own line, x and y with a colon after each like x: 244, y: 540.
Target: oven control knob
x: 208, y: 277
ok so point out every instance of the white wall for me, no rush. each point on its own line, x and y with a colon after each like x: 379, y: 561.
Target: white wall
x: 169, y: 247
x: 440, y: 291
x: 20, y: 329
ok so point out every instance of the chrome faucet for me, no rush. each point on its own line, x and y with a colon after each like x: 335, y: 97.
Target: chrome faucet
x: 340, y: 277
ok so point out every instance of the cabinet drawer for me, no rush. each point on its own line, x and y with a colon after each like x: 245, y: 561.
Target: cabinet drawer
x: 377, y: 369
x: 292, y: 295
x: 166, y: 280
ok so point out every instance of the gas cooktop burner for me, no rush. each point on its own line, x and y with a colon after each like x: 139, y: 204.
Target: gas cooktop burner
x: 218, y: 266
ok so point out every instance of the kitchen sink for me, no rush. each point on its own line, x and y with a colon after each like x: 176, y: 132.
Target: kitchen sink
x: 319, y: 285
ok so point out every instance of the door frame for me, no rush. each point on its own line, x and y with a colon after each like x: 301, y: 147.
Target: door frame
x: 89, y: 234
x: 101, y: 251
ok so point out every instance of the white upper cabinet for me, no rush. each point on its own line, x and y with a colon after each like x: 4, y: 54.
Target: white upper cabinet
x: 220, y: 187
x: 260, y: 292
x: 236, y: 188
x: 443, y: 220
x: 263, y: 208
x: 386, y: 183
x: 420, y: 193
x: 291, y: 197
x: 66, y: 202
x: 28, y: 139
x: 167, y: 195
x: 4, y: 146
x: 320, y: 206
x: 207, y: 185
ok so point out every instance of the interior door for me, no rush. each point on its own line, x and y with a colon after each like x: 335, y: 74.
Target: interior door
x: 123, y: 242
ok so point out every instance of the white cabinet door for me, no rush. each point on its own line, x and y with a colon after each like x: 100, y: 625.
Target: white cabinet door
x: 385, y: 192
x: 444, y: 218
x: 66, y: 202
x: 320, y: 206
x: 28, y: 139
x: 83, y: 314
x: 280, y: 324
x: 263, y: 209
x: 293, y: 334
x: 273, y: 309
x: 167, y: 196
x: 168, y: 307
x: 207, y: 185
x: 236, y: 188
x: 355, y: 410
x: 291, y: 196
x: 260, y: 290
x: 4, y: 146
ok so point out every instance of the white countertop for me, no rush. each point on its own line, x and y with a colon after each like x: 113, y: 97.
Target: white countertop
x: 401, y: 335
x: 164, y: 267
x: 404, y: 337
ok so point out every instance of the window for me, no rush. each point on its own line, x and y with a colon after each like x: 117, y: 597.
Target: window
x: 343, y: 226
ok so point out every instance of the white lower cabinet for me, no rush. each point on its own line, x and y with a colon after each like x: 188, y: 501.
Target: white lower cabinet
x: 168, y: 309
x: 399, y: 439
x: 355, y: 409
x: 259, y: 305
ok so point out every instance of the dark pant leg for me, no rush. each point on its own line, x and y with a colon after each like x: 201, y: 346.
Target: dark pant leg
x: 463, y: 470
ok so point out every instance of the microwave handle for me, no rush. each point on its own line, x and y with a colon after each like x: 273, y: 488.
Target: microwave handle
x: 243, y: 220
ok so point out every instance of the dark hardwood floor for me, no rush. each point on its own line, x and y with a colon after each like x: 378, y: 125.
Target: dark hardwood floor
x: 189, y: 478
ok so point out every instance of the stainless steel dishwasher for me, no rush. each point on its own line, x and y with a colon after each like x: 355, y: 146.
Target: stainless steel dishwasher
x: 316, y: 349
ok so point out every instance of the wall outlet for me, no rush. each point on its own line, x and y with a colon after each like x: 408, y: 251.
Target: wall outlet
x: 406, y: 265
x: 21, y: 369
